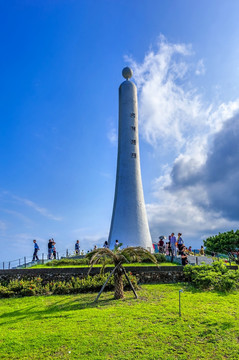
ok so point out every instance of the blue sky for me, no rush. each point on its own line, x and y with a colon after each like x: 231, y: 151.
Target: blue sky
x: 61, y: 63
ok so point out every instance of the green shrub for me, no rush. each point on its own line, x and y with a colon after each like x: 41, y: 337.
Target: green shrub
x: 5, y: 292
x: 213, y: 277
x: 161, y: 258
x: 28, y: 291
x: 73, y: 286
x: 24, y: 287
x: 104, y: 261
x: 227, y: 282
x: 69, y: 262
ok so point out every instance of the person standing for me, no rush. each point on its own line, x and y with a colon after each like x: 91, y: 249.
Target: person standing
x: 180, y: 242
x: 169, y: 249
x: 54, y: 249
x: 106, y: 246
x: 173, y: 241
x: 161, y: 245
x: 117, y: 245
x: 201, y: 252
x: 36, y: 248
x: 77, y: 247
x: 49, y: 245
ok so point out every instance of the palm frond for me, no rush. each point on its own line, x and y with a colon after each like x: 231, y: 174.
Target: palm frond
x: 95, y: 256
x: 137, y: 253
x: 98, y: 253
x: 121, y: 258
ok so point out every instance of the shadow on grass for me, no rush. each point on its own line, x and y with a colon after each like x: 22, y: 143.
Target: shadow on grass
x: 62, y: 307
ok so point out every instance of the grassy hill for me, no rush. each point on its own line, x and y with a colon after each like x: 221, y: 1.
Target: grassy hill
x: 73, y: 327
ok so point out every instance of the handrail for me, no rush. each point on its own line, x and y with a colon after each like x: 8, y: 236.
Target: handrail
x: 26, y: 261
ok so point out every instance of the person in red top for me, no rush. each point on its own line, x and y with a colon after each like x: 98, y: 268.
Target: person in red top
x: 161, y: 245
x: 161, y: 242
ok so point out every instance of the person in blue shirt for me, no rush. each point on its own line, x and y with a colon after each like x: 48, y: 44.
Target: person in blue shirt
x: 77, y: 247
x: 173, y: 244
x: 180, y: 242
x: 36, y: 248
x: 49, y: 249
x: 54, y: 249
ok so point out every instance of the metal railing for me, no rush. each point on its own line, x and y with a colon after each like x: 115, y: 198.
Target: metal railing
x: 26, y: 261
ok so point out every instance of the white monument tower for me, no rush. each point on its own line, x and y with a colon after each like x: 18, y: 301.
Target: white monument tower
x: 129, y: 224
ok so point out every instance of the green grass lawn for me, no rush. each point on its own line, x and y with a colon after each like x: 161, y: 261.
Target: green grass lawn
x: 99, y: 265
x: 73, y: 327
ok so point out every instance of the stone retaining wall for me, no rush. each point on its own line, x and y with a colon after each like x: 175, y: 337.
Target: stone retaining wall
x: 145, y: 274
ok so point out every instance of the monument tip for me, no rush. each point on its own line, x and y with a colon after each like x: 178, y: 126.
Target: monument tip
x: 127, y: 73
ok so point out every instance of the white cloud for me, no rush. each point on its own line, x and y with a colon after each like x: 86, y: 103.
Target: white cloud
x: 16, y: 214
x: 170, y: 108
x: 200, y: 68
x: 37, y: 208
x: 174, y: 115
x: 221, y: 114
x: 33, y: 205
x: 177, y: 213
x: 112, y: 136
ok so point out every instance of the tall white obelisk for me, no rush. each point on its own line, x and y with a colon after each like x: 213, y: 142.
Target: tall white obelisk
x: 129, y: 224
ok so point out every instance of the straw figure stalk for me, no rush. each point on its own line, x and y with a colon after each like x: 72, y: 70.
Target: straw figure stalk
x: 119, y: 257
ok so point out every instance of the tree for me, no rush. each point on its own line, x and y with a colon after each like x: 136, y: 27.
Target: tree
x: 119, y: 257
x: 223, y: 243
